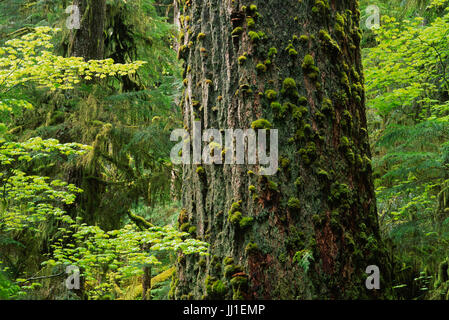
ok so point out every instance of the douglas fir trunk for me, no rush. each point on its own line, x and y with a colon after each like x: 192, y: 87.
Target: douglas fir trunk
x: 311, y: 230
x: 88, y: 41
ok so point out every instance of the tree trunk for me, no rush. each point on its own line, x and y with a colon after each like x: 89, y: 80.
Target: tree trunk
x: 314, y: 227
x: 88, y: 41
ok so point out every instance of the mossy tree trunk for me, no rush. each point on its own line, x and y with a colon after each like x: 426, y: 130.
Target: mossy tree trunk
x: 88, y: 41
x: 312, y: 228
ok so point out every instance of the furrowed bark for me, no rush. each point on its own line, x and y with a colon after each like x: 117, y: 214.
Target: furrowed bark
x: 312, y: 228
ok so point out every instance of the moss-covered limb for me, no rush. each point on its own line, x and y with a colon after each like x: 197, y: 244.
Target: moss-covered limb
x: 139, y: 221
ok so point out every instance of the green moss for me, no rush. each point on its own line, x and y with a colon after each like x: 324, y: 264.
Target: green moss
x: 288, y: 84
x: 184, y: 227
x: 339, y: 26
x: 261, y: 67
x: 304, y: 38
x: 228, y: 261
x: 320, y: 7
x: 273, y: 186
x: 239, y: 282
x: 250, y: 22
x: 237, y: 31
x: 299, y: 112
x: 200, y: 170
x: 285, y: 162
x: 309, y: 67
x: 182, y: 51
x: 323, y: 174
x: 272, y: 52
x: 231, y: 269
x: 308, y: 62
x: 294, y: 203
x: 271, y: 94
x: 237, y: 295
x: 329, y: 42
x: 261, y: 124
x: 292, y: 52
x: 295, y: 239
x: 235, y: 206
x: 308, y: 154
x: 219, y: 288
x: 246, y: 222
x: 201, y: 36
x: 235, y: 217
x: 276, y: 106
x: 254, y: 36
x: 302, y: 101
x: 252, y: 188
x: 215, y: 288
x: 192, y: 230
x: 340, y: 195
x: 327, y: 107
x: 242, y: 59
x: 253, y: 8
x: 344, y: 142
x: 251, y: 248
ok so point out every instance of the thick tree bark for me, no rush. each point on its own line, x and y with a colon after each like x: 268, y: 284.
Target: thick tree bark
x: 88, y: 41
x: 314, y: 228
